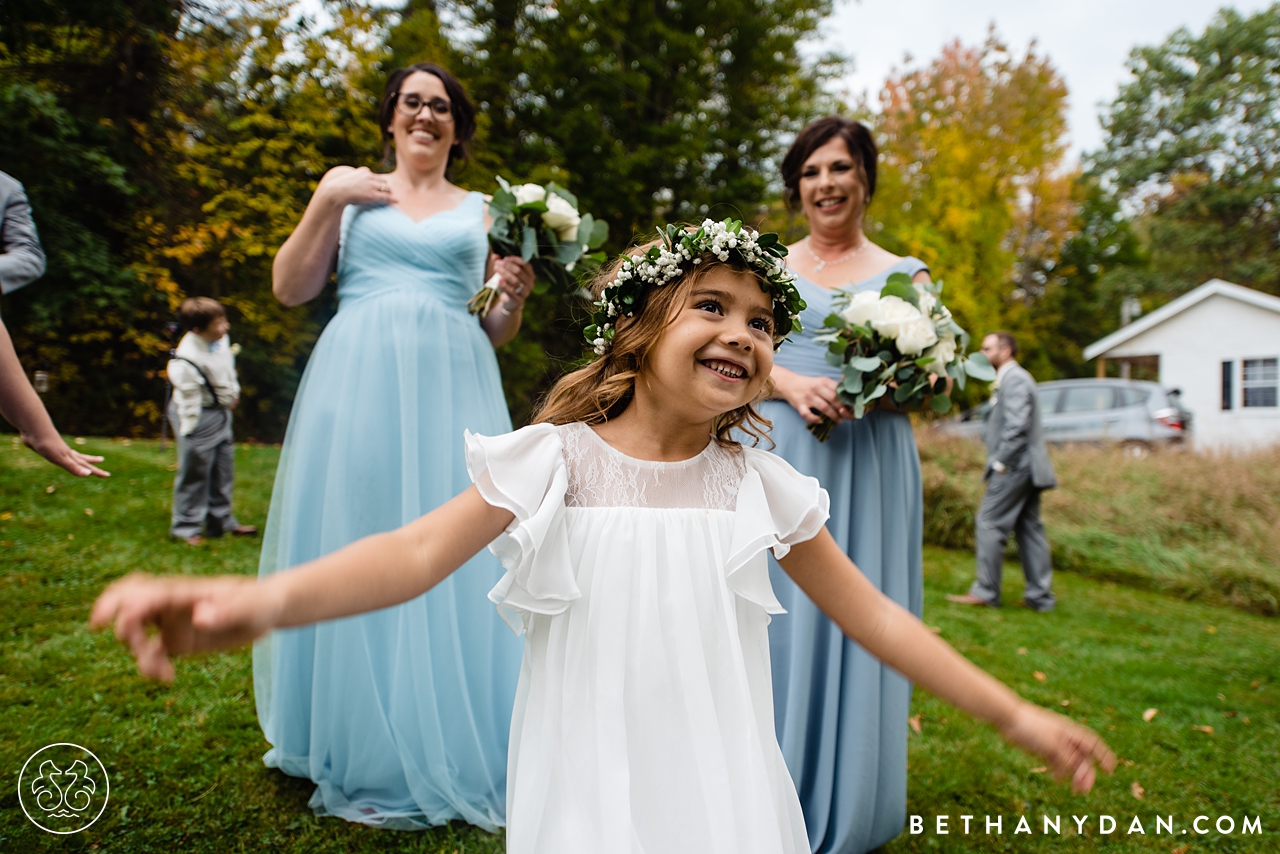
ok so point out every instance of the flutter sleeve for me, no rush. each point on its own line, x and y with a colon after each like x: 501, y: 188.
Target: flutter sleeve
x: 524, y: 472
x: 777, y: 508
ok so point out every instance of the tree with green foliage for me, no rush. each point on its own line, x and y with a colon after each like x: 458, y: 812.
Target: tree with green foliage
x: 1191, y: 145
x: 81, y: 84
x: 647, y: 112
x: 270, y: 101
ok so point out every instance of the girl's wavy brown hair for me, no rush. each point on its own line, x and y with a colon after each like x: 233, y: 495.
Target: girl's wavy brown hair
x: 605, y: 388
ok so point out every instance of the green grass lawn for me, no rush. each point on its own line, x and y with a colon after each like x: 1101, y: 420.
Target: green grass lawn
x: 185, y: 761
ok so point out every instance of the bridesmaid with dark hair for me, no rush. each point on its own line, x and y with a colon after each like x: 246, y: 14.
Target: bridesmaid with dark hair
x: 400, y: 716
x: 841, y: 715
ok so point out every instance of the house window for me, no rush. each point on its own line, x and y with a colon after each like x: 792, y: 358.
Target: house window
x: 1261, y: 378
x: 1228, y: 368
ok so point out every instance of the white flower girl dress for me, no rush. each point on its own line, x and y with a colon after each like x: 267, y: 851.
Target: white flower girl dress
x: 644, y: 715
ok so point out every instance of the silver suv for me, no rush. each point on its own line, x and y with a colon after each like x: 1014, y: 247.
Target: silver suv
x: 1138, y: 415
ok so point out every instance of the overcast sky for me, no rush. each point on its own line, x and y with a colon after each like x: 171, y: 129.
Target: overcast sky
x: 1087, y: 40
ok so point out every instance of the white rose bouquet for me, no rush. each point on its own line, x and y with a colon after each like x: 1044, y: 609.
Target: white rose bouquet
x: 544, y: 227
x: 902, y: 341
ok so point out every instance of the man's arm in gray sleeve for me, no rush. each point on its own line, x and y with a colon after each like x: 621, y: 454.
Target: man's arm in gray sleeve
x: 21, y: 256
x: 1016, y: 397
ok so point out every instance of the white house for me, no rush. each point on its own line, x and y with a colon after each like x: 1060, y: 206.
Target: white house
x: 1220, y: 344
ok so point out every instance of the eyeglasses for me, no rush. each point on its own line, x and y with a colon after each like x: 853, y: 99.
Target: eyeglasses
x: 410, y: 105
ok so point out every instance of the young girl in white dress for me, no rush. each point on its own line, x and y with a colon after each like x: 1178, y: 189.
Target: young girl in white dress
x: 634, y: 532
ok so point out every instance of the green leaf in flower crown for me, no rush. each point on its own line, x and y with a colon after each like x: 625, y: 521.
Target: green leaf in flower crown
x: 940, y: 404
x: 864, y: 363
x: 979, y: 367
x: 553, y: 187
x: 899, y: 285
x: 529, y: 243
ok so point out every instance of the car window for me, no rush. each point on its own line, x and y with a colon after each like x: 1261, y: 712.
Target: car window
x: 1088, y: 398
x: 1049, y: 399
x: 1133, y: 396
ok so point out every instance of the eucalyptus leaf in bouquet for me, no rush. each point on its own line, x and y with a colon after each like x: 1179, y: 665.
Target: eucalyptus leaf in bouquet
x: 543, y: 226
x: 900, y: 344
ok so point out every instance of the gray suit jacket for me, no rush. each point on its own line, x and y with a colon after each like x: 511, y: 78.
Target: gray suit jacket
x: 21, y: 258
x: 1013, y: 431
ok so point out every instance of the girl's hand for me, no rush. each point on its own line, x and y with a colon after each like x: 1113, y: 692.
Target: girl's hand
x: 515, y: 282
x: 1070, y: 748
x: 807, y: 394
x: 342, y: 186
x: 191, y: 615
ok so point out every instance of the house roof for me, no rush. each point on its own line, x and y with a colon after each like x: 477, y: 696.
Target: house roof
x: 1213, y: 287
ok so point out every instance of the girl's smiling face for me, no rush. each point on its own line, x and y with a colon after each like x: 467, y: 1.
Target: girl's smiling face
x: 717, y: 352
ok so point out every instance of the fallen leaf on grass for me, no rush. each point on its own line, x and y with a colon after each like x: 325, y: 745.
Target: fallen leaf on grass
x: 1042, y: 769
x: 937, y: 630
x: 1246, y: 720
x: 1181, y: 849
x: 88, y: 511
x: 1137, y: 790
x: 50, y: 489
x: 1203, y: 728
x: 1065, y: 703
x: 1040, y: 677
x: 1149, y: 714
x: 1022, y: 650
x: 1211, y: 630
x: 6, y: 516
x: 915, y: 722
x: 1254, y: 684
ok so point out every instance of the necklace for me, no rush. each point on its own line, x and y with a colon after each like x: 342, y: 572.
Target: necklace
x: 824, y: 264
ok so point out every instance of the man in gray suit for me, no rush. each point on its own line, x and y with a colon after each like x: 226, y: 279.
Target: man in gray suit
x: 21, y: 258
x: 22, y: 261
x: 1018, y: 470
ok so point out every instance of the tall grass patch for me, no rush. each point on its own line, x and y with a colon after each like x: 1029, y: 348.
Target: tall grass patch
x: 1193, y: 525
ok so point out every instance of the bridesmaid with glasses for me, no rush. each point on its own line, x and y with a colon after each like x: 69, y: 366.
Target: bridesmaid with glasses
x: 400, y: 716
x: 841, y: 715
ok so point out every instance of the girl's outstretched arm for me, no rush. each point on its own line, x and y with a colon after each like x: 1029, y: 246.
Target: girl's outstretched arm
x: 892, y: 634
x: 199, y: 614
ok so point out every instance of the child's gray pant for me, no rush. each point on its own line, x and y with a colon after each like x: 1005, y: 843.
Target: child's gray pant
x: 206, y: 469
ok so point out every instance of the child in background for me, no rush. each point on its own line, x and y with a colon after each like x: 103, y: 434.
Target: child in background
x: 634, y: 530
x: 205, y: 390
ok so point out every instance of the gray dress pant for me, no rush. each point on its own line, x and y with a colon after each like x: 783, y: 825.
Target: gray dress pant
x: 206, y: 469
x: 1012, y: 503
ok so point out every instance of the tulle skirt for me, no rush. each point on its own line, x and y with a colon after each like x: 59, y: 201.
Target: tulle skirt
x: 401, y: 716
x: 841, y: 715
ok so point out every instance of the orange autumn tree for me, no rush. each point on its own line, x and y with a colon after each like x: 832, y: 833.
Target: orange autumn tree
x: 972, y: 181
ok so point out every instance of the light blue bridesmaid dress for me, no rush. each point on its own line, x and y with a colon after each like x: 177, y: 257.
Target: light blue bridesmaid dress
x: 401, y: 716
x: 841, y: 715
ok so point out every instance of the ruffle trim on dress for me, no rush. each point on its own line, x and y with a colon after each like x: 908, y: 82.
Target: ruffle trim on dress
x: 524, y: 472
x: 777, y: 508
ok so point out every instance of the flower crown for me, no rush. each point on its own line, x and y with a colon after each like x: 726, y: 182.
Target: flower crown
x: 681, y: 249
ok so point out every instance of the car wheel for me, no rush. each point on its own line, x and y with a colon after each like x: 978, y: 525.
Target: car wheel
x: 1136, y: 448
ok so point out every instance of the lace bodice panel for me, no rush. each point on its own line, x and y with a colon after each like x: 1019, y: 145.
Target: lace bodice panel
x: 600, y: 476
